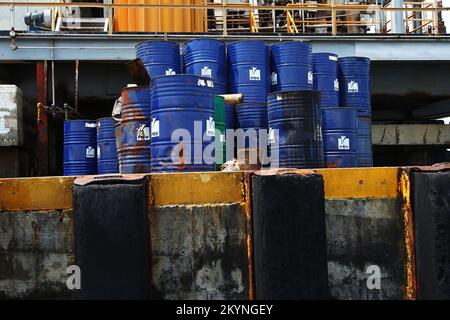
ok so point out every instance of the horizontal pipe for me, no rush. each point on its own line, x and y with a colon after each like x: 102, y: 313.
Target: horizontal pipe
x: 319, y: 7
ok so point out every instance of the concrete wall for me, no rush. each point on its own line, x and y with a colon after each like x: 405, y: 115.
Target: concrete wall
x: 201, y: 244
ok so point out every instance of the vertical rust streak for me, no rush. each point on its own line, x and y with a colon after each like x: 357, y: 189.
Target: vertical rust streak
x: 405, y: 193
x: 247, y: 205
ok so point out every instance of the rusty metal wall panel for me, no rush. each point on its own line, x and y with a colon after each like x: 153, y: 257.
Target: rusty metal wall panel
x: 361, y: 233
x: 35, y: 250
x: 199, y: 252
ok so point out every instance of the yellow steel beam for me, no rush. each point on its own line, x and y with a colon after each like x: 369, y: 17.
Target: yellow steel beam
x: 196, y: 188
x: 24, y: 194
x: 360, y: 182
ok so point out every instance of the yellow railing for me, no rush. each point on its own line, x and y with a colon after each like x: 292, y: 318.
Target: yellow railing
x: 336, y: 19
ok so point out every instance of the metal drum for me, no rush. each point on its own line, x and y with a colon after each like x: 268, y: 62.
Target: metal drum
x: 364, y: 149
x: 106, y: 147
x: 339, y: 137
x: 295, y: 129
x: 248, y: 70
x: 230, y: 115
x: 325, y: 71
x: 160, y: 57
x: 250, y: 118
x: 291, y: 66
x: 182, y: 123
x: 79, y: 147
x: 354, y: 78
x: 207, y: 58
x: 134, y: 152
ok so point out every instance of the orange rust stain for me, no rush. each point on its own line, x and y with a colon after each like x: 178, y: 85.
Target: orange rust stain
x: 246, y: 196
x: 405, y: 194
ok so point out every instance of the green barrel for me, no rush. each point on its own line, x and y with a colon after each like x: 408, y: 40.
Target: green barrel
x: 219, y: 103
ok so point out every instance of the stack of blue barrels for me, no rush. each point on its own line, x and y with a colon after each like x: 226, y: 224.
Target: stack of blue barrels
x: 354, y: 77
x: 338, y: 123
x: 293, y: 108
x: 248, y: 73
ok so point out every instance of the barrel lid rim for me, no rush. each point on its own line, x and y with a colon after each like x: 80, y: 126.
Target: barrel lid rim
x: 196, y: 39
x: 357, y: 57
x: 290, y: 41
x: 312, y: 92
x: 160, y: 41
x: 247, y: 41
x: 250, y: 103
x: 325, y: 53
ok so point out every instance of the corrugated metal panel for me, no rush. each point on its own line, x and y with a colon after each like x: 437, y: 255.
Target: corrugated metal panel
x: 157, y: 19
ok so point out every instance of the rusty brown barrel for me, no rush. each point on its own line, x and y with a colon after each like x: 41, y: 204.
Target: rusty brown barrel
x: 134, y: 151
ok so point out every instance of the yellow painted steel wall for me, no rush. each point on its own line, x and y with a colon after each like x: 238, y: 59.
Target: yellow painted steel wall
x: 157, y: 19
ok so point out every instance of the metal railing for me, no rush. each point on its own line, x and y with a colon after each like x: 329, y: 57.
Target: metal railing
x: 285, y: 19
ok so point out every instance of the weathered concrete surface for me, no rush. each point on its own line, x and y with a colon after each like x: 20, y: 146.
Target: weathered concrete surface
x: 411, y: 134
x: 35, y: 250
x: 199, y: 252
x: 361, y: 233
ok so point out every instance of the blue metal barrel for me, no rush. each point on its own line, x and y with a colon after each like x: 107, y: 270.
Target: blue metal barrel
x: 207, y: 58
x: 295, y: 129
x: 248, y: 70
x: 182, y: 123
x: 134, y: 151
x: 339, y: 137
x: 79, y: 147
x: 354, y: 78
x: 325, y: 71
x: 250, y: 118
x: 291, y: 66
x: 160, y: 57
x: 107, y: 161
x: 230, y: 115
x: 364, y: 141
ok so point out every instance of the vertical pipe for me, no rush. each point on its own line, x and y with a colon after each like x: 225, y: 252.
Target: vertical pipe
x: 77, y: 82
x: 333, y: 18
x: 42, y: 121
x: 398, y: 25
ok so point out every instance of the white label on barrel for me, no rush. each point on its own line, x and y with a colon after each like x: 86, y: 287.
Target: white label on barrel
x: 310, y: 77
x: 271, y: 136
x: 90, y: 152
x: 142, y: 132
x: 206, y: 72
x: 170, y: 72
x: 210, y: 127
x: 352, y: 87
x: 155, y: 127
x: 90, y: 125
x: 254, y: 74
x: 333, y: 58
x: 274, y: 78
x: 343, y: 143
x: 336, y: 85
x: 201, y: 82
x: 279, y: 98
x: 98, y: 152
x: 222, y: 138
x: 210, y: 83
